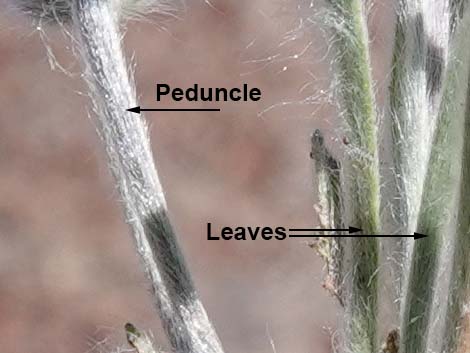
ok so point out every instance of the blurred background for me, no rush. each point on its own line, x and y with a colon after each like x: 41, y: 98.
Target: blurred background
x: 69, y: 276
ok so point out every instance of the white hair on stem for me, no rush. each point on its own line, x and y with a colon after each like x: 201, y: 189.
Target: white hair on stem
x: 346, y: 21
x: 437, y: 217
x: 60, y: 10
x: 418, y: 63
x: 125, y: 137
x: 96, y: 29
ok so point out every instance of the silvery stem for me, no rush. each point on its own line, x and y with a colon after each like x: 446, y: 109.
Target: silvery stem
x: 127, y: 144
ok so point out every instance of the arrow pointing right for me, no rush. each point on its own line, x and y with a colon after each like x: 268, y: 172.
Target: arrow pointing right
x: 415, y: 236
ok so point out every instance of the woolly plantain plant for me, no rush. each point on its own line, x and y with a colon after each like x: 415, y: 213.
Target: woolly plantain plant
x: 426, y: 188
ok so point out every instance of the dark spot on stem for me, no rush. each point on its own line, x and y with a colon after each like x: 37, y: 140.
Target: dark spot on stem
x: 434, y: 68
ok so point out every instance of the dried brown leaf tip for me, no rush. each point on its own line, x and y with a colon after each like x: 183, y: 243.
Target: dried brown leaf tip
x: 326, y: 248
x: 139, y: 341
x: 392, y: 342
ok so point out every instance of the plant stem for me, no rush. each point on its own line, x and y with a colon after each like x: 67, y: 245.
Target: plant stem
x: 411, y: 122
x: 410, y: 142
x: 360, y: 170
x: 459, y: 293
x: 439, y: 201
x: 125, y: 137
x: 414, y: 93
x: 457, y: 327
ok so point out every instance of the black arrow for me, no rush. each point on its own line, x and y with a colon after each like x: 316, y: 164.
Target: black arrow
x: 350, y: 230
x: 415, y: 236
x: 138, y: 109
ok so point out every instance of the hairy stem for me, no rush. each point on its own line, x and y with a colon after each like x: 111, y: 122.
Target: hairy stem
x: 360, y: 170
x: 410, y: 141
x: 457, y: 324
x: 458, y: 312
x: 125, y: 138
x: 415, y: 90
x: 409, y: 113
x: 439, y: 201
